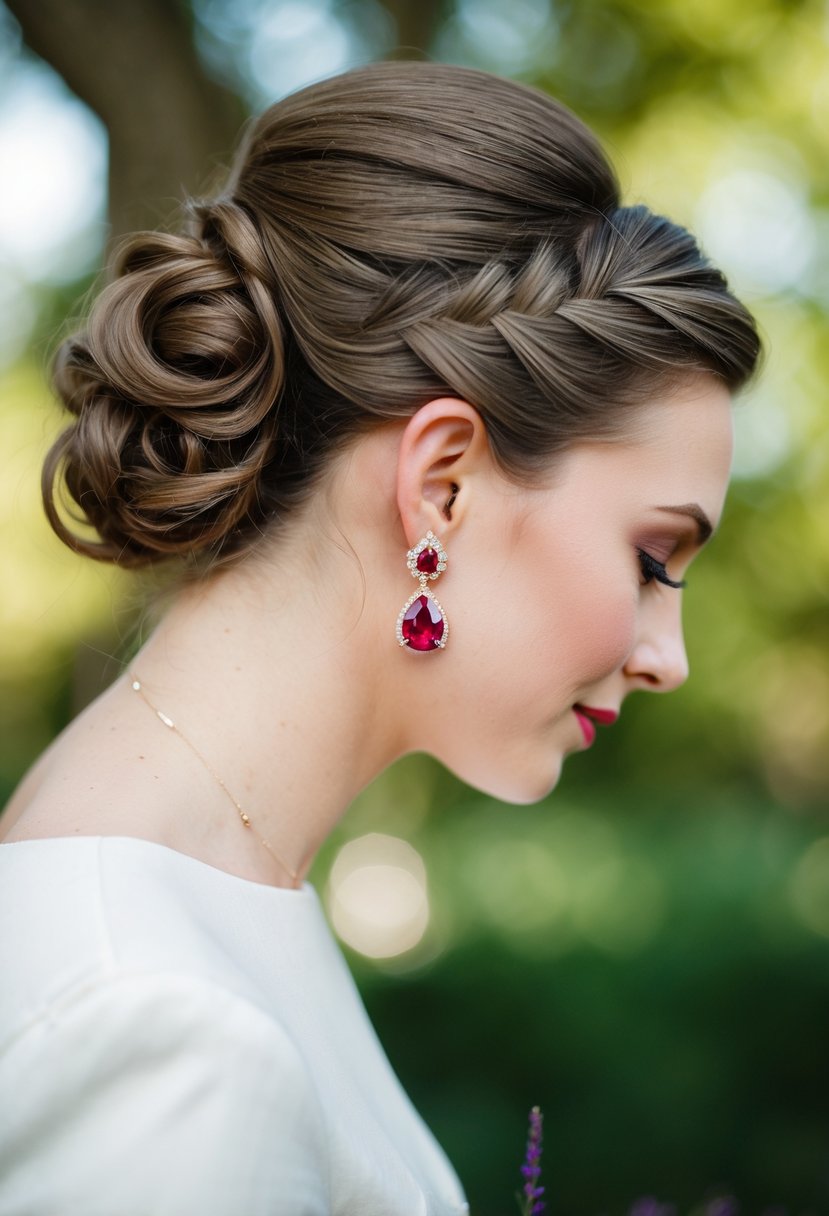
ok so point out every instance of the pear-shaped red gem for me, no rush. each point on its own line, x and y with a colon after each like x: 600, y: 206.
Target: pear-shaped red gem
x: 422, y: 624
x: 427, y: 560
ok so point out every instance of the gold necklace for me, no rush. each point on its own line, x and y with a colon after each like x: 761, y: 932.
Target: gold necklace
x: 136, y: 684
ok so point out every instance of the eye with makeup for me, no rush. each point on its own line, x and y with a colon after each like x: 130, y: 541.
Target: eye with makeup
x: 654, y: 570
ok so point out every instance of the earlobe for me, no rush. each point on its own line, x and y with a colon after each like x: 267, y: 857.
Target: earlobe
x: 443, y: 443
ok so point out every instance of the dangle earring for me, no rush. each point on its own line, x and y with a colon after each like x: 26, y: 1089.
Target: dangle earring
x: 422, y: 624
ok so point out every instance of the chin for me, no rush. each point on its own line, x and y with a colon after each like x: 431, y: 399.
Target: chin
x: 518, y: 786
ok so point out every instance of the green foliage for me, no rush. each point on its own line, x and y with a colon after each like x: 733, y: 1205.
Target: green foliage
x: 655, y: 979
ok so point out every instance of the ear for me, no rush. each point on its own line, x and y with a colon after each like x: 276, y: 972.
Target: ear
x: 442, y: 447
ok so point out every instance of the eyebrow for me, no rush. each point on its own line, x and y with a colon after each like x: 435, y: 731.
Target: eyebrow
x: 694, y: 511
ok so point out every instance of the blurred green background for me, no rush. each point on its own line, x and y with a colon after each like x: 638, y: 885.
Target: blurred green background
x: 646, y: 954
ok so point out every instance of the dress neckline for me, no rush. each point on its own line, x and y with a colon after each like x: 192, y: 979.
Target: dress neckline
x: 175, y: 857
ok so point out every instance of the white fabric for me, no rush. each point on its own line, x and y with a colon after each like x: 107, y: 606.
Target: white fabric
x: 176, y: 1041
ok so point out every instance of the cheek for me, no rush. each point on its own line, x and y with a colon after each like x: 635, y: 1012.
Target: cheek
x: 604, y: 638
x: 594, y: 625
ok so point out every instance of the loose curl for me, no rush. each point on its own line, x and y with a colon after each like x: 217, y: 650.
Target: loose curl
x: 402, y: 231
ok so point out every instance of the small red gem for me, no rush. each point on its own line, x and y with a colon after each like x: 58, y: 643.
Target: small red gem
x: 423, y: 624
x: 427, y: 561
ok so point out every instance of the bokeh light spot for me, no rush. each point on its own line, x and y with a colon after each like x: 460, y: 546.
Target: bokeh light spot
x: 53, y: 158
x: 377, y: 897
x: 520, y: 885
x: 809, y: 887
x: 758, y: 227
x: 619, y: 905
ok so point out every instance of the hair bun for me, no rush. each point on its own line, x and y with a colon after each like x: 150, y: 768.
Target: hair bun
x: 173, y: 386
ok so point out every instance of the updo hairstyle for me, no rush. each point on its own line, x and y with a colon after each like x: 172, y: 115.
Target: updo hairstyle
x: 389, y: 235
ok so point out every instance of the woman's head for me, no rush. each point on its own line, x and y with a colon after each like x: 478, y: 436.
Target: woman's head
x: 419, y: 300
x: 565, y: 594
x: 400, y: 232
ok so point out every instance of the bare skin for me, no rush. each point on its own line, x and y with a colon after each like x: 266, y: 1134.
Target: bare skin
x: 286, y: 674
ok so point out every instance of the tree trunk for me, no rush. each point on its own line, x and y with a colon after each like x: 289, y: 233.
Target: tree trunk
x: 171, y: 127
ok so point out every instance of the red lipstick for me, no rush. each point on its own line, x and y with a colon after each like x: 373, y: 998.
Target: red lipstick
x: 605, y: 716
x: 587, y: 715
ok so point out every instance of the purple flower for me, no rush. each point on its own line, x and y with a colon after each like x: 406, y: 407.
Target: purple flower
x: 532, y: 1204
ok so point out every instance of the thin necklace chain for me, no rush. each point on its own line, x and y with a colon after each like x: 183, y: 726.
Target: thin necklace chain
x: 138, y: 687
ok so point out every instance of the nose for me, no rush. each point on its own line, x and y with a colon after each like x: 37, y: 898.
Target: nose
x: 659, y: 661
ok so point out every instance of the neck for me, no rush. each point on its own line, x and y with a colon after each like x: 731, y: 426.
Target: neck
x: 272, y: 680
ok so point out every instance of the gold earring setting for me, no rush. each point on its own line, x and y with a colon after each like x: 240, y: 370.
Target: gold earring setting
x: 422, y: 623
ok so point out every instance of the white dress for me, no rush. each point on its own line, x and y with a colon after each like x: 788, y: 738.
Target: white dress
x: 178, y: 1041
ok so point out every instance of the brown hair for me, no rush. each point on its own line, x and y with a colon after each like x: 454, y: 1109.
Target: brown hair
x: 395, y: 233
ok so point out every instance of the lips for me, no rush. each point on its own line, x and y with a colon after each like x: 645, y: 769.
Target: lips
x: 587, y: 715
x: 605, y: 716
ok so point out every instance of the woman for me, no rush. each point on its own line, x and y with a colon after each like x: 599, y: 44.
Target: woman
x: 416, y: 336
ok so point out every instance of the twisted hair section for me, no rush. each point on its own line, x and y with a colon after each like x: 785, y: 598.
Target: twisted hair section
x: 399, y: 232
x: 173, y: 387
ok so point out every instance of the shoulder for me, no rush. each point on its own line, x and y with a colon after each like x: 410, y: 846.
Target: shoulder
x: 96, y: 914
x: 159, y: 1092
x: 138, y: 1072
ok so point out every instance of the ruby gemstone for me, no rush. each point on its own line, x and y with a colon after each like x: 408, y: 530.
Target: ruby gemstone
x: 427, y: 561
x: 422, y: 625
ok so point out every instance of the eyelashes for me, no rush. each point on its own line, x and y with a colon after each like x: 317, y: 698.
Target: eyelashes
x: 654, y: 570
